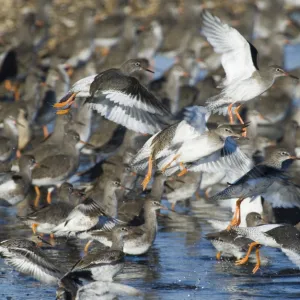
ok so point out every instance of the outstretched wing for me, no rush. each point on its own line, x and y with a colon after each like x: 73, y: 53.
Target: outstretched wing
x: 197, y: 116
x: 230, y: 157
x: 238, y: 57
x: 124, y: 100
x: 283, y: 193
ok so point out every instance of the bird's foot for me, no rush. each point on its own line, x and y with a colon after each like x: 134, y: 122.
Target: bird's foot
x: 184, y: 170
x: 69, y: 101
x: 218, y: 255
x: 63, y: 111
x: 242, y: 261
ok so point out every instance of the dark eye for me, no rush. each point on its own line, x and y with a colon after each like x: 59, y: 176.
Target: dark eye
x: 278, y: 70
x: 137, y: 64
x: 70, y: 189
x: 116, y: 183
x: 124, y: 229
x: 228, y: 130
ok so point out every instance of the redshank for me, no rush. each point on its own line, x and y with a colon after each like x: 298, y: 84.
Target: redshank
x: 244, y: 81
x: 103, y: 265
x: 83, y: 217
x: 284, y: 237
x: 160, y: 145
x: 267, y: 179
x: 25, y: 256
x: 229, y: 243
x: 139, y: 238
x: 121, y: 98
x: 45, y: 219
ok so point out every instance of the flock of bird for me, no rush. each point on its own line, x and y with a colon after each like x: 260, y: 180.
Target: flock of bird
x: 122, y: 140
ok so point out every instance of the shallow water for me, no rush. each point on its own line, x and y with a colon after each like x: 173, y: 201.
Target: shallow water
x: 180, y: 265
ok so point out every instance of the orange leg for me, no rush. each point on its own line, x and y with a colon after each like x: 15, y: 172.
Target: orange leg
x: 236, y: 220
x: 149, y: 173
x: 68, y: 101
x: 38, y: 195
x: 49, y: 197
x: 257, y: 266
x: 86, y: 248
x: 236, y: 111
x: 63, y: 111
x: 51, y: 236
x: 8, y: 85
x: 230, y: 113
x: 169, y: 164
x: 70, y: 71
x: 33, y: 227
x: 18, y: 153
x: 183, y: 171
x: 245, y: 259
x: 173, y: 206
x: 45, y: 131
x: 218, y: 255
x: 104, y: 51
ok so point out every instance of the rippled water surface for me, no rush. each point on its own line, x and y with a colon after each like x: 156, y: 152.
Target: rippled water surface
x: 180, y: 265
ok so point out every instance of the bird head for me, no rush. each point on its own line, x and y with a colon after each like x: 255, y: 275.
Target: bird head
x: 279, y: 72
x: 226, y: 131
x: 280, y: 158
x: 254, y: 219
x: 136, y: 65
x: 27, y: 161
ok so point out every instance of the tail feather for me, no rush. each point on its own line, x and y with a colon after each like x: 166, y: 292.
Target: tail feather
x: 218, y: 104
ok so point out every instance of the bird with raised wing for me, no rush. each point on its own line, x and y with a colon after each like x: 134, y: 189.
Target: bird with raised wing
x: 267, y: 179
x: 120, y: 97
x: 244, y: 80
x: 83, y: 217
x: 26, y: 257
x: 159, y: 145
